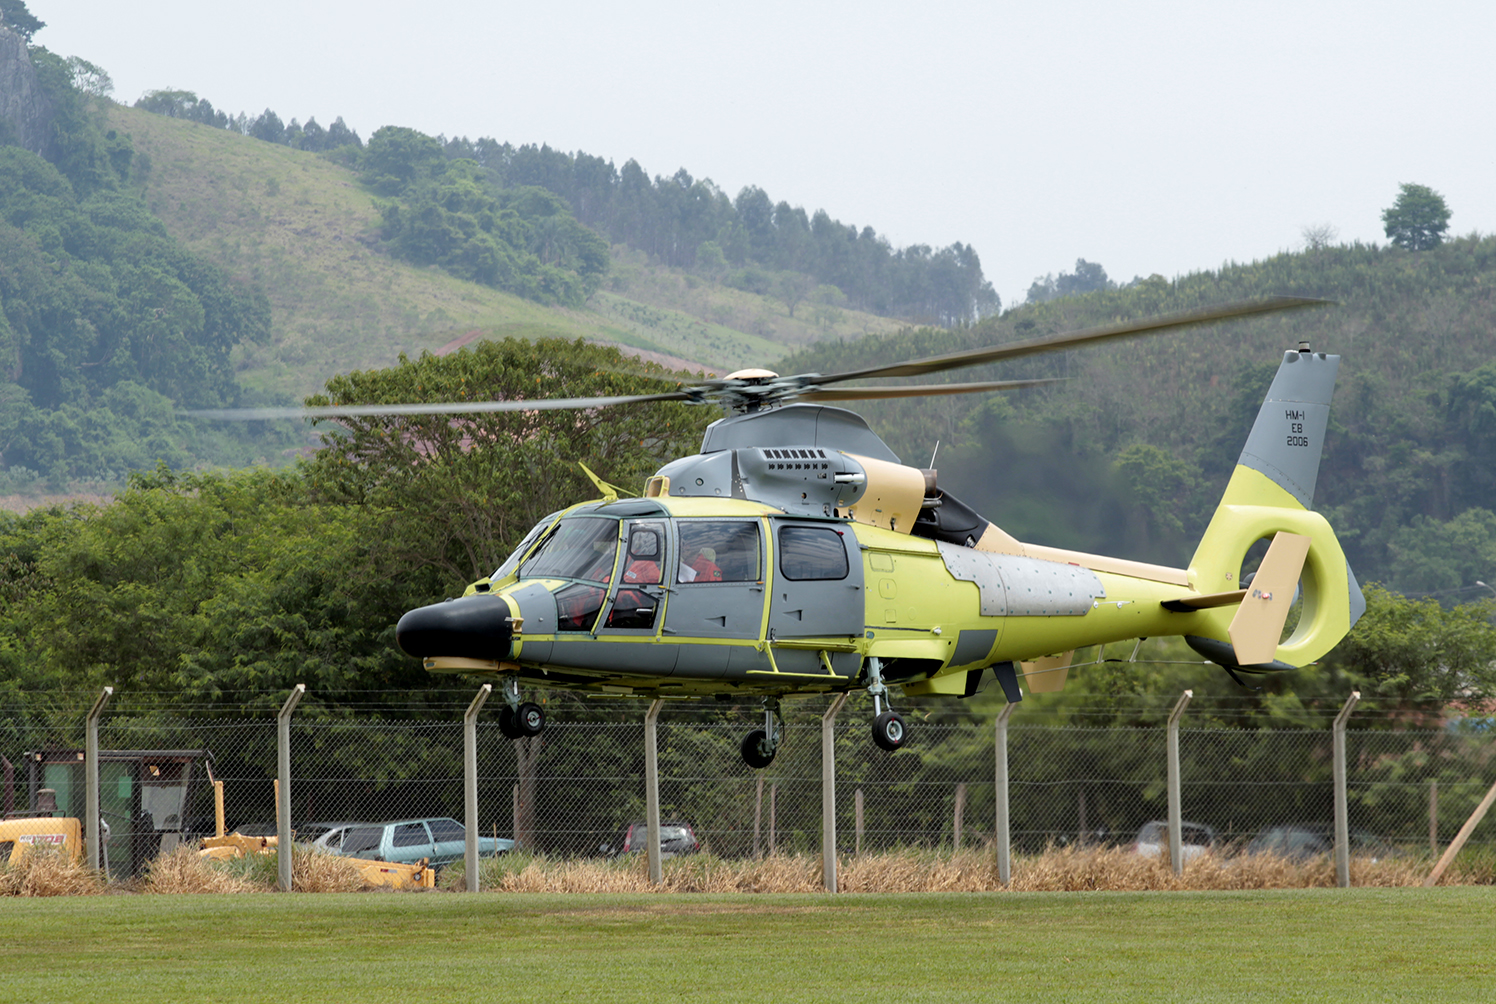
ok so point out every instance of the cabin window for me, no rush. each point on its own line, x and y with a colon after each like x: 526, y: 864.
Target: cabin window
x: 579, y: 548
x: 812, y: 552
x: 718, y: 551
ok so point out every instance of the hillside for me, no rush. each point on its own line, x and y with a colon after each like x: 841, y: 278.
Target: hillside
x: 1131, y: 454
x: 302, y: 227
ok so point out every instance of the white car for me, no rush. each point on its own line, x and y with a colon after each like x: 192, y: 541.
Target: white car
x: 1195, y: 839
x: 325, y: 836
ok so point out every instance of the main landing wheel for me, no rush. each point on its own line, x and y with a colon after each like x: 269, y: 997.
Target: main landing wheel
x: 529, y: 719
x: 753, y: 750
x: 888, y: 731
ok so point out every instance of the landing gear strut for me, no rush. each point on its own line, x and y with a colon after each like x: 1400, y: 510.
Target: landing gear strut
x: 760, y: 745
x: 519, y: 719
x: 888, y: 727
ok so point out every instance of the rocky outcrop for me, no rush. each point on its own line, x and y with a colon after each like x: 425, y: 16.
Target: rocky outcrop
x: 25, y: 112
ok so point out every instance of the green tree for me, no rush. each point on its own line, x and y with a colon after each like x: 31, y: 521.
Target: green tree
x: 1412, y: 652
x: 457, y: 493
x: 20, y: 20
x: 1418, y: 219
x: 216, y: 587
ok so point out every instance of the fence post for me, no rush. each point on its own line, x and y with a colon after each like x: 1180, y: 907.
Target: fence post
x: 470, y: 786
x: 1342, y: 811
x: 92, y: 834
x: 283, y: 792
x: 960, y: 811
x: 1433, y: 817
x: 652, y: 792
x: 1461, y: 837
x: 1176, y: 810
x: 828, y: 792
x: 773, y: 818
x: 1001, y: 831
x: 758, y: 814
x: 858, y: 850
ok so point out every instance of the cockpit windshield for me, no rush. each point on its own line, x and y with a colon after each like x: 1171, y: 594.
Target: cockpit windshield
x: 512, y: 562
x: 582, y: 547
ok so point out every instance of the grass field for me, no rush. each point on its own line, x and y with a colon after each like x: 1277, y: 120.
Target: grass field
x: 1359, y: 945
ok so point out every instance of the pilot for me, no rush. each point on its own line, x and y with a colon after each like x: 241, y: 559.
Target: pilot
x: 705, y: 565
x: 644, y: 550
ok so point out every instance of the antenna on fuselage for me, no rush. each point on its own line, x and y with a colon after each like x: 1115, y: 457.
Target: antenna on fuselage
x: 933, y: 453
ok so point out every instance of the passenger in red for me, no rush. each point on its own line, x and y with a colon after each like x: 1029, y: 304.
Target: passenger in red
x: 705, y: 566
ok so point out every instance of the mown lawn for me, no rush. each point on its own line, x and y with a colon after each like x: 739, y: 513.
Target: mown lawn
x: 1301, y: 945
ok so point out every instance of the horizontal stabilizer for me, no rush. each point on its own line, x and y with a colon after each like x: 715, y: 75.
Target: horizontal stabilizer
x: 1258, y: 625
x: 1185, y: 604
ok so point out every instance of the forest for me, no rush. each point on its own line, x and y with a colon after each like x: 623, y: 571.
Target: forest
x: 444, y: 214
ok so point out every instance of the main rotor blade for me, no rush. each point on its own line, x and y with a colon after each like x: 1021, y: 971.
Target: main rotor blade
x: 1071, y: 339
x: 924, y: 390
x: 439, y: 408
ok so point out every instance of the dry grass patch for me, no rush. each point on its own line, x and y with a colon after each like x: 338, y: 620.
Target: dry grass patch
x: 185, y: 871
x: 1070, y: 869
x: 46, y: 872
x: 322, y: 872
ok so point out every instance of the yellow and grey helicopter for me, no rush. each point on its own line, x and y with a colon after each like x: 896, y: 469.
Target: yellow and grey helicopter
x: 796, y: 555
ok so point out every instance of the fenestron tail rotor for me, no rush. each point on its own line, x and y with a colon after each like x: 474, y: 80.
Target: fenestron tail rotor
x: 750, y: 390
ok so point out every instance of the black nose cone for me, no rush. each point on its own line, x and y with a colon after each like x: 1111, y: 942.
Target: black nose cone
x: 473, y: 627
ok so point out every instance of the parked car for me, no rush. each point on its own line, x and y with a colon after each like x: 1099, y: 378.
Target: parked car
x: 1300, y: 842
x: 441, y: 840
x: 1195, y: 839
x: 676, y: 837
x: 325, y: 836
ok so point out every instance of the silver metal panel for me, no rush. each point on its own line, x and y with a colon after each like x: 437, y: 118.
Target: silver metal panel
x: 976, y: 566
x: 1289, y: 434
x: 1013, y: 586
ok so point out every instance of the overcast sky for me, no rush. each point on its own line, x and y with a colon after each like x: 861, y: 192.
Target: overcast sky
x: 1147, y: 136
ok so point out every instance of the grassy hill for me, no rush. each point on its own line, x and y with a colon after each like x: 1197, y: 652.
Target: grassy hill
x: 303, y: 228
x: 1132, y: 452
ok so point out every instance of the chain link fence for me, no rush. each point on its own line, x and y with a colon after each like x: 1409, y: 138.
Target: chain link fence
x: 572, y: 790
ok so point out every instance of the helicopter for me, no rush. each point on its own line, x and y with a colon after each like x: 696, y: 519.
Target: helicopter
x: 796, y: 555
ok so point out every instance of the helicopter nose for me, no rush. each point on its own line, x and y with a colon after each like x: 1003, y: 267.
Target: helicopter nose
x: 471, y: 627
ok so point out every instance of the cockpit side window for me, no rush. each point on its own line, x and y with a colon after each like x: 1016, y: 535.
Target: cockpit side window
x: 512, y: 562
x: 582, y: 547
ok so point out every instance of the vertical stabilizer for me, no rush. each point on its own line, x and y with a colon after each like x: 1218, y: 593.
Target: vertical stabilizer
x: 1288, y: 437
x: 1269, y: 495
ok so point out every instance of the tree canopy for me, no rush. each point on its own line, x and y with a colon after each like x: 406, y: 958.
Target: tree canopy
x: 15, y: 16
x: 457, y: 493
x: 1418, y: 219
x: 450, y: 213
